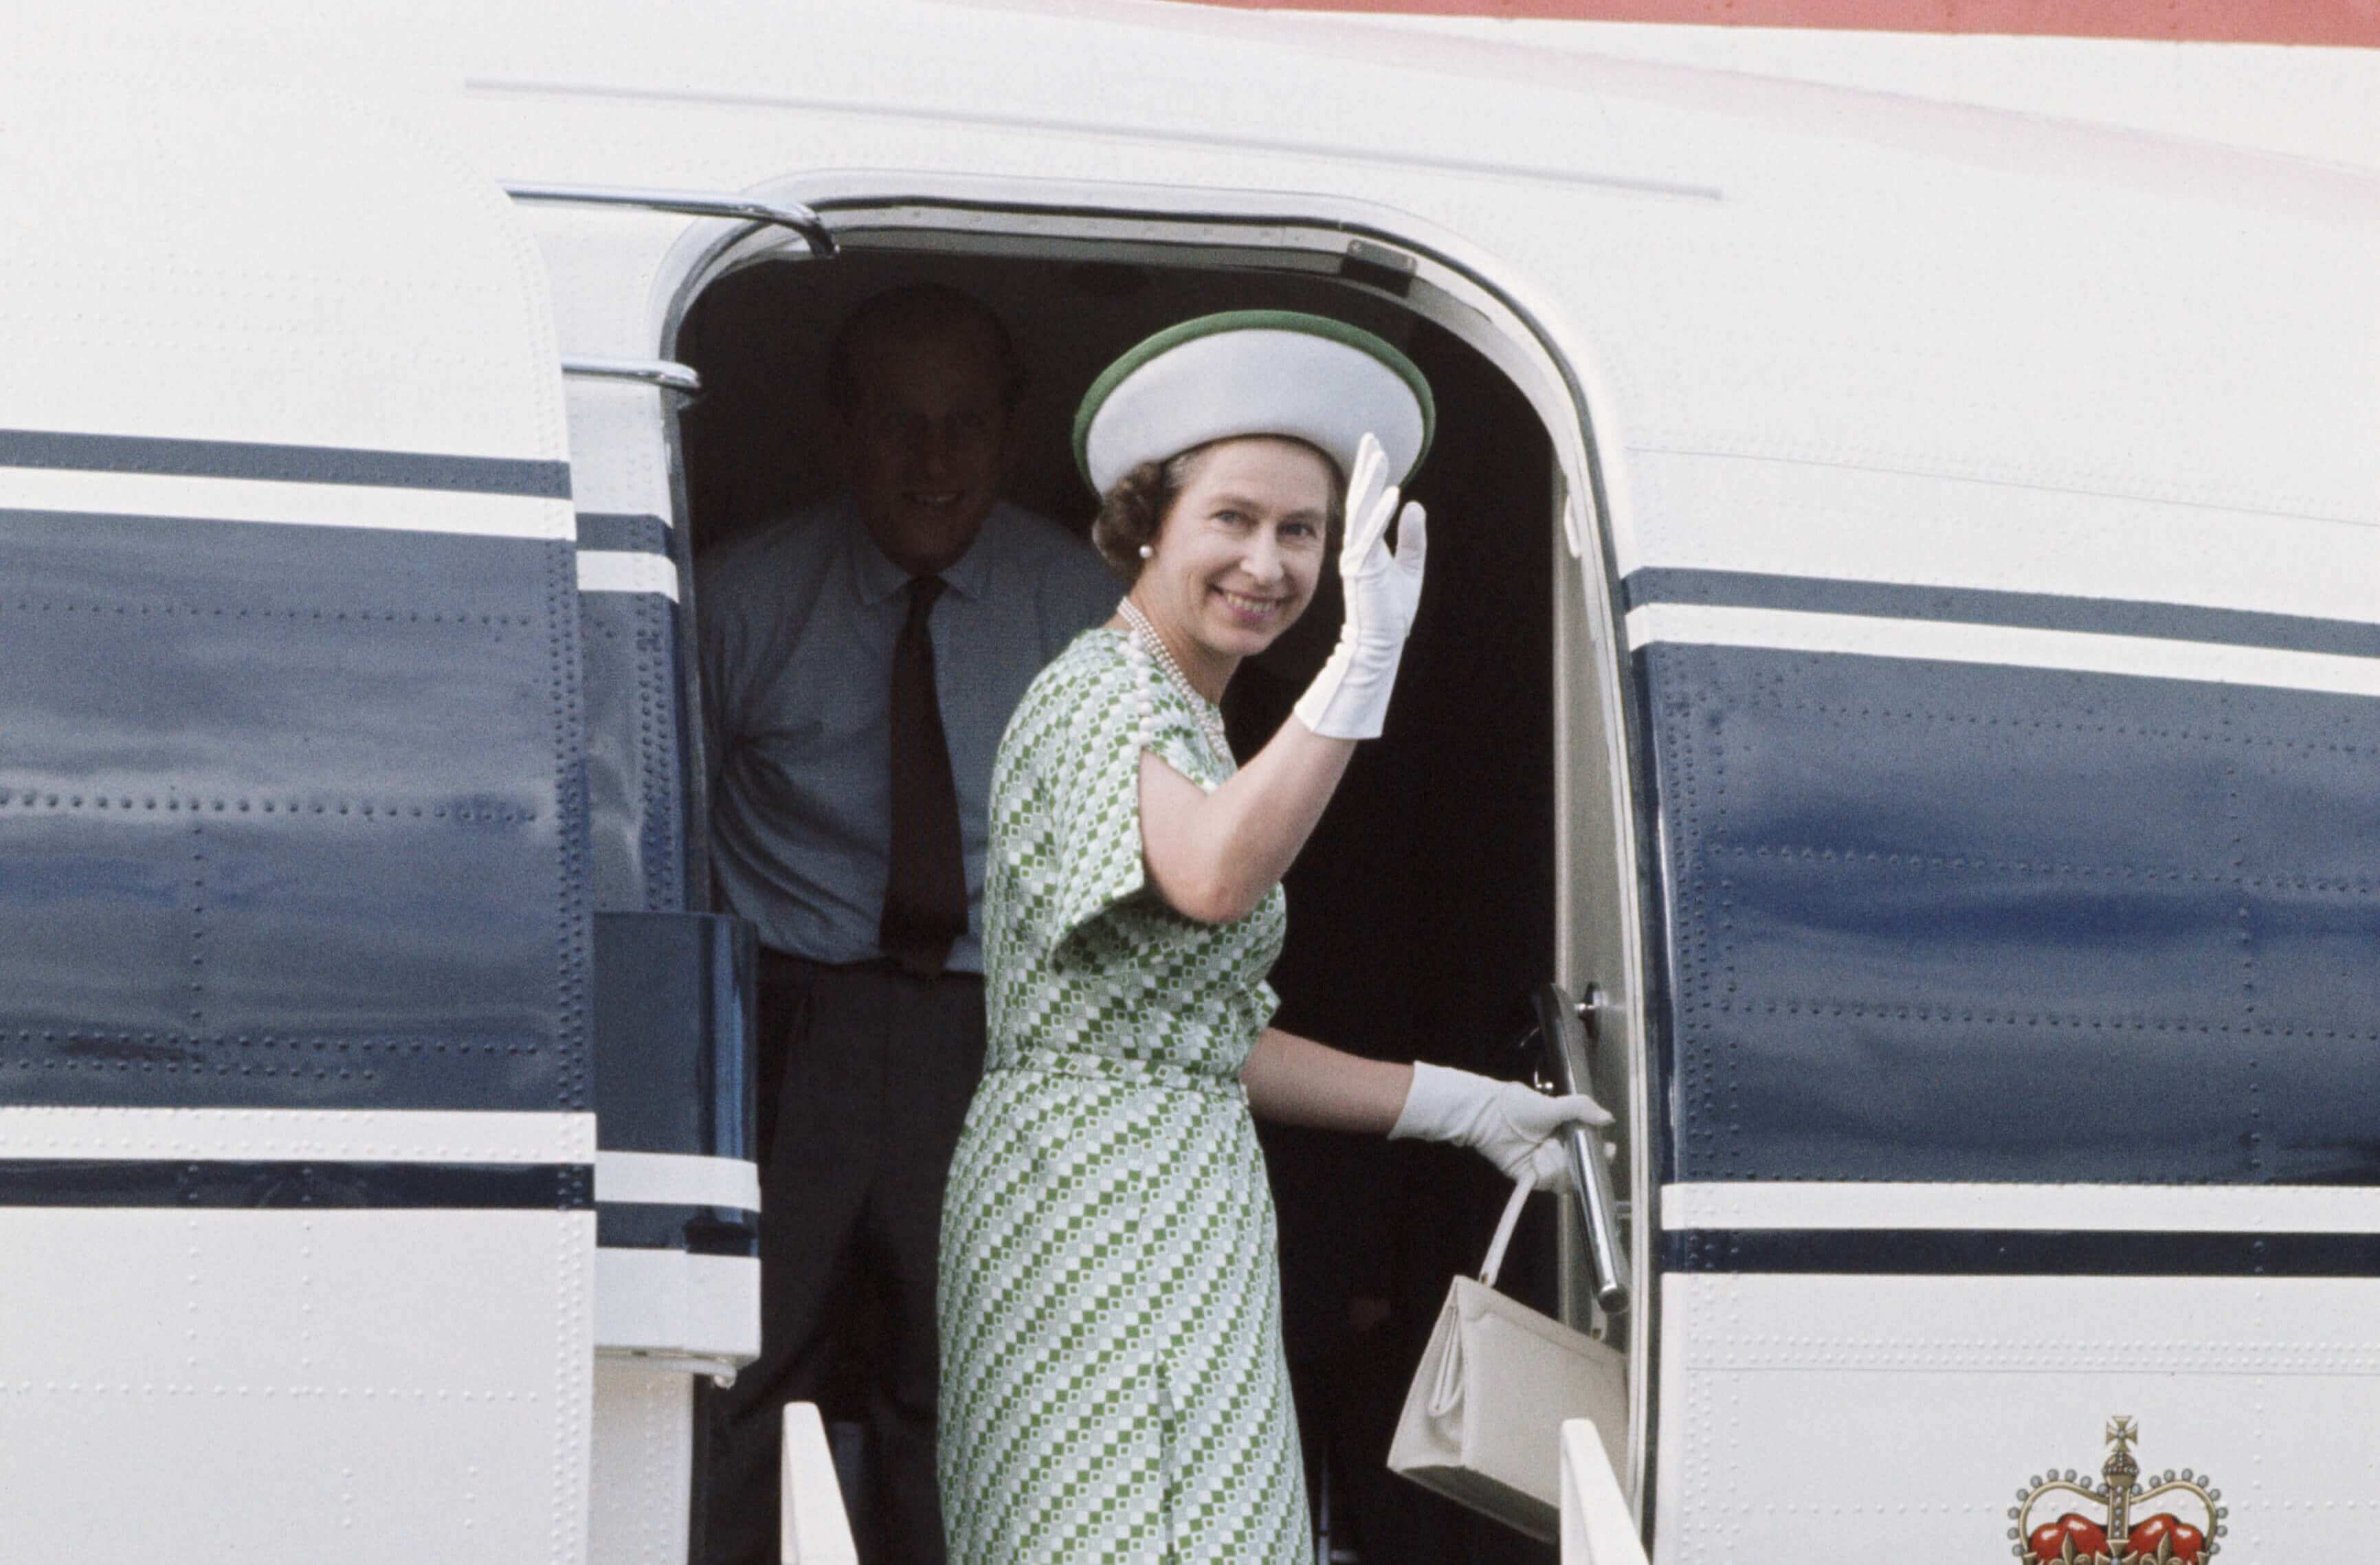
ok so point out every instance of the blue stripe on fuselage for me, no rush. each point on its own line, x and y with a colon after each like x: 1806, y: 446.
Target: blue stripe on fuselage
x: 1949, y: 921
x: 293, y: 817
x: 268, y: 1185
x: 1933, y: 1252
x: 699, y: 1230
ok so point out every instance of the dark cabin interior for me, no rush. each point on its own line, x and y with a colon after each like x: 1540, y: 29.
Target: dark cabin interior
x: 1423, y: 909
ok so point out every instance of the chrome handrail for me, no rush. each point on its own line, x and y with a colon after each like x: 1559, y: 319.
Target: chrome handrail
x: 668, y: 374
x: 691, y: 203
x: 1562, y: 1026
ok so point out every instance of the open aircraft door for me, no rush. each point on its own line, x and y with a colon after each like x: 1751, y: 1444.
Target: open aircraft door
x: 296, y: 1145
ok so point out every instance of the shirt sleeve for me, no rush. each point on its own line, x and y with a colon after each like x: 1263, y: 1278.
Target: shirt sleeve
x: 1129, y: 708
x: 749, y: 593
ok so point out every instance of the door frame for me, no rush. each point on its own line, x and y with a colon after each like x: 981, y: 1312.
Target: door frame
x: 1604, y: 824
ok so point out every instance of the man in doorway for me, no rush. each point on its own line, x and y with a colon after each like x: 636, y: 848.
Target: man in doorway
x: 861, y: 659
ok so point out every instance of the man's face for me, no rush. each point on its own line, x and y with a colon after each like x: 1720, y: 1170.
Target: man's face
x: 928, y: 444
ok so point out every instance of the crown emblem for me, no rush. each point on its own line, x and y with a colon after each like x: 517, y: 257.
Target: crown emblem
x: 2126, y: 1528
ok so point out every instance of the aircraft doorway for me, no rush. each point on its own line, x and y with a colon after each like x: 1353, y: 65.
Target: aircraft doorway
x: 1423, y: 912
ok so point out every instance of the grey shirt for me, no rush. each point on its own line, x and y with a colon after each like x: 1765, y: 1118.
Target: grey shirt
x: 799, y: 622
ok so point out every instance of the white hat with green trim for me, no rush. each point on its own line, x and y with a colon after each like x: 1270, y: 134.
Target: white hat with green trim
x: 1255, y: 373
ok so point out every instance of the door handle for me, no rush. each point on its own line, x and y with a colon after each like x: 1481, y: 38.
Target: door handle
x: 1565, y: 1035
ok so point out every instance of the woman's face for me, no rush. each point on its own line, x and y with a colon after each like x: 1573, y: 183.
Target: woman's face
x: 1238, y: 556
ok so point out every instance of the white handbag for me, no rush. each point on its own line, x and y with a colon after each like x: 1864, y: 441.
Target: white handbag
x: 1482, y: 1425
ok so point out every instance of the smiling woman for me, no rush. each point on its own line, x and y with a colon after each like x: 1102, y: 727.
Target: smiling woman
x: 1417, y: 924
x: 1114, y: 1384
x: 1251, y: 518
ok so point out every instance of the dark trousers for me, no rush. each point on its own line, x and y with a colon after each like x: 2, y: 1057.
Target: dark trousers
x: 873, y: 1071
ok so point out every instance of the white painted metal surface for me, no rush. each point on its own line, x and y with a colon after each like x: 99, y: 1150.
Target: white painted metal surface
x: 1597, y: 1527
x: 2065, y: 1208
x: 622, y: 570
x: 672, y: 1304
x: 1789, y: 517
x: 381, y: 1388
x: 643, y: 1458
x: 289, y: 297
x: 2095, y: 362
x: 1805, y: 1408
x: 2296, y: 100
x: 814, y: 1529
x: 330, y: 1369
x: 701, y: 1310
x: 2009, y: 646
x: 355, y: 1136
x: 2029, y: 377
x: 233, y: 260
x: 1941, y: 345
x: 677, y: 1179
x: 619, y: 461
x: 315, y: 504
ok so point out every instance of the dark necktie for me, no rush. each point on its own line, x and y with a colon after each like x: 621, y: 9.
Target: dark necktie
x: 925, y: 895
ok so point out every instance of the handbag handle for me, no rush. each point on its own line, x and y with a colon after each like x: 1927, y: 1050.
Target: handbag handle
x: 1446, y: 1390
x: 1504, y: 1226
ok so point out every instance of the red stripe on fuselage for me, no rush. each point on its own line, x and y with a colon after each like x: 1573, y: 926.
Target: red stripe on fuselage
x: 2342, y: 23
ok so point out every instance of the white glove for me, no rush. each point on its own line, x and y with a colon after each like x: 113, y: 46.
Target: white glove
x: 1517, y: 1129
x: 1348, y: 700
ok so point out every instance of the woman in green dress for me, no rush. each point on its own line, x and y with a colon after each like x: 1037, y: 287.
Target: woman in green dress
x: 1113, y: 1387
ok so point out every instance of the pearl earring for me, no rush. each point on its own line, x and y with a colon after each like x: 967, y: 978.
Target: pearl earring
x: 1146, y: 552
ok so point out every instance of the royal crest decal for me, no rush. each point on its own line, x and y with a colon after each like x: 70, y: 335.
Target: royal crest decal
x: 2120, y: 1527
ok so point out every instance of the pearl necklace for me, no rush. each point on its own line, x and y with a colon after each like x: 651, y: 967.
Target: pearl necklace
x: 1152, y: 648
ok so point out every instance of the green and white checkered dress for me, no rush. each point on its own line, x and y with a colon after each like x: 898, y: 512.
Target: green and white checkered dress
x: 1114, y: 1388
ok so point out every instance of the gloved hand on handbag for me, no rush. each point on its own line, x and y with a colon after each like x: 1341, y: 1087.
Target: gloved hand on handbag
x: 1513, y: 1126
x: 1348, y: 700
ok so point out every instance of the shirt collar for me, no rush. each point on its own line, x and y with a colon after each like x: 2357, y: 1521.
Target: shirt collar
x: 875, y: 577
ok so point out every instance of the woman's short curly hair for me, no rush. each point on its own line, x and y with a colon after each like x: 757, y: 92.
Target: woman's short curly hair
x: 1134, y: 509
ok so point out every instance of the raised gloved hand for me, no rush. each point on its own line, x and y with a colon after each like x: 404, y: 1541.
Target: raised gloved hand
x: 1348, y: 700
x: 1517, y: 1129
